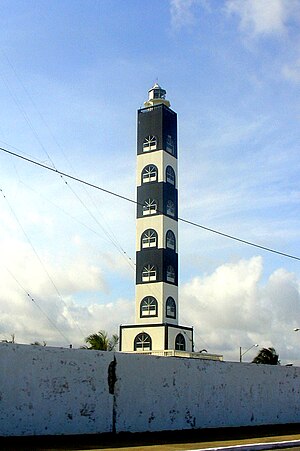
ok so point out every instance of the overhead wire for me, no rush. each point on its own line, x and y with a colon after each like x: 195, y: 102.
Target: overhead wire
x: 37, y: 305
x: 40, y: 261
x: 77, y: 179
x: 110, y: 236
x: 108, y: 233
x: 114, y: 242
x: 63, y: 175
x: 120, y: 196
x: 26, y: 118
x: 74, y: 218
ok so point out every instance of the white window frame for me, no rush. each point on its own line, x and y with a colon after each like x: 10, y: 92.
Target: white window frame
x: 149, y: 173
x: 149, y: 238
x: 170, y: 144
x: 170, y: 175
x: 149, y: 273
x: 170, y: 274
x: 180, y: 345
x: 150, y: 143
x: 170, y: 239
x: 142, y: 342
x: 148, y: 307
x: 170, y: 208
x: 149, y: 207
x: 171, y: 309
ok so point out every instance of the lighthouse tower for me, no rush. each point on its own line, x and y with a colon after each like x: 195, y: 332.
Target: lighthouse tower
x: 156, y: 325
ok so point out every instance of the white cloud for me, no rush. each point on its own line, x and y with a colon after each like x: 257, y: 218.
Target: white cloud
x: 263, y: 17
x: 57, y: 299
x: 59, y: 324
x: 231, y: 182
x: 181, y: 12
x: 257, y: 17
x: 228, y: 308
x: 292, y: 71
x: 231, y: 289
x: 232, y: 307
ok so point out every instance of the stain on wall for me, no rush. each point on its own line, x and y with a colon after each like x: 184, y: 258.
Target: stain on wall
x: 54, y: 391
x: 176, y: 394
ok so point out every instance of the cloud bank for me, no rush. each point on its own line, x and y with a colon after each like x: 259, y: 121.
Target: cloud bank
x: 263, y: 17
x: 234, y: 307
x: 231, y: 307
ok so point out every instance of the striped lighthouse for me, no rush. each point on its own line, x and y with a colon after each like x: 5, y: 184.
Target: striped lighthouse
x: 156, y: 326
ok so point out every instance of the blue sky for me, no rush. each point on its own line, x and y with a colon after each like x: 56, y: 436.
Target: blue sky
x: 72, y: 75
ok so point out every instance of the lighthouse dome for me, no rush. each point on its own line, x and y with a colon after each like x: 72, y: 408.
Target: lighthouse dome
x: 156, y: 96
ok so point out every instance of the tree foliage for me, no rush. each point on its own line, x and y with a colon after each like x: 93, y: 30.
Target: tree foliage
x: 38, y: 343
x: 267, y: 356
x: 101, y: 341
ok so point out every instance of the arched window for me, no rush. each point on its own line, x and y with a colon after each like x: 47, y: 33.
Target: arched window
x: 170, y: 175
x: 149, y: 207
x: 149, y: 173
x: 170, y: 274
x: 150, y: 143
x: 170, y: 208
x: 149, y: 238
x: 149, y: 273
x: 142, y: 342
x: 180, y: 342
x: 170, y: 308
x: 148, y: 307
x: 170, y: 144
x: 170, y: 240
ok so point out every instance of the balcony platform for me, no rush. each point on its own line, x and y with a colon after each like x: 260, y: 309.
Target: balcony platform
x: 181, y: 354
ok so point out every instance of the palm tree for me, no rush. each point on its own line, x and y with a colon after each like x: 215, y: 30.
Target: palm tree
x: 267, y: 356
x: 101, y: 341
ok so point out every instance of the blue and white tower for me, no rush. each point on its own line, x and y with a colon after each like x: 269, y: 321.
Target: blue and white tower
x: 156, y: 325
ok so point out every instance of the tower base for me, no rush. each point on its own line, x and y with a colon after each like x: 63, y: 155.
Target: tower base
x: 156, y: 337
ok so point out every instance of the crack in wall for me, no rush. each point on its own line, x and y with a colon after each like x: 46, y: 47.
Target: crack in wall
x: 112, y: 379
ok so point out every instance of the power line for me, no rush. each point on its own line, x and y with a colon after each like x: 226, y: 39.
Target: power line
x: 26, y: 118
x: 74, y: 218
x: 186, y: 221
x: 38, y: 306
x: 41, y: 262
x: 249, y: 243
x: 91, y: 185
x: 108, y: 233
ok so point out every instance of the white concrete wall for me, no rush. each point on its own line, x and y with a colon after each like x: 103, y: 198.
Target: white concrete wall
x: 65, y: 391
x: 49, y: 391
x: 174, y: 394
